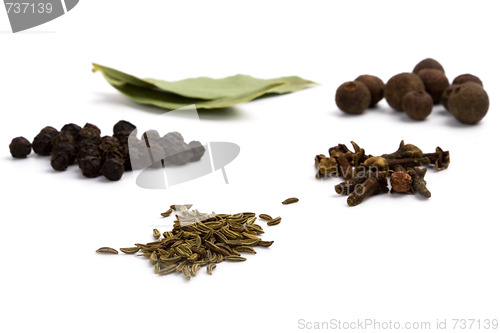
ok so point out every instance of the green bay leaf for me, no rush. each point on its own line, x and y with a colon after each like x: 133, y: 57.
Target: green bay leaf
x: 204, y: 92
x: 172, y: 101
x: 210, y: 88
x: 121, y: 77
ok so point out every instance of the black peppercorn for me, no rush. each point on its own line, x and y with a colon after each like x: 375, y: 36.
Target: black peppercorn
x: 89, y: 149
x: 88, y: 136
x: 124, y: 150
x: 179, y: 154
x: 167, y: 141
x: 74, y: 129
x: 151, y: 136
x: 50, y: 131
x: 154, y: 155
x: 109, y: 142
x: 59, y: 161
x: 90, y: 166
x: 113, y: 154
x: 123, y: 128
x: 127, y: 163
x: 138, y: 159
x: 108, y: 155
x: 92, y: 128
x: 63, y: 136
x: 197, y: 150
x: 126, y: 141
x: 353, y: 97
x: 89, y: 132
x: 417, y: 104
x: 20, y: 147
x: 42, y: 144
x: 174, y: 136
x: 68, y: 149
x: 112, y: 169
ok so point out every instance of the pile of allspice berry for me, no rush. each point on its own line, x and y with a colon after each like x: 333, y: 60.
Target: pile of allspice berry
x: 109, y: 156
x: 416, y: 93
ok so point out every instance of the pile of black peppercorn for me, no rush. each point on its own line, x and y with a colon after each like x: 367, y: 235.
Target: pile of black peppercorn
x: 109, y: 156
x: 416, y: 93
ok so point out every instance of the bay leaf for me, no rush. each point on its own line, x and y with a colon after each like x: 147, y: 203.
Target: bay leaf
x: 293, y: 84
x: 121, y: 77
x: 204, y: 92
x: 171, y: 101
x: 236, y: 85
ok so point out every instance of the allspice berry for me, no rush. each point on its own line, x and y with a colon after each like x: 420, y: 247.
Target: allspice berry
x: 353, y: 97
x: 435, y: 82
x: 375, y: 85
x: 417, y: 104
x: 446, y: 95
x: 469, y: 103
x: 20, y: 147
x: 398, y: 86
x: 467, y: 78
x: 428, y: 63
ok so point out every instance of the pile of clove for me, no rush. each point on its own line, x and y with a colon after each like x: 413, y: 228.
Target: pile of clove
x: 365, y: 175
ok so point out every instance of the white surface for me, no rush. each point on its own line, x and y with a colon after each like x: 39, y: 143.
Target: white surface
x: 396, y: 258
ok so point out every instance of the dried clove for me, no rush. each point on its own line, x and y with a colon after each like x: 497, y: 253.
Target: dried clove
x: 350, y: 185
x: 404, y: 151
x: 401, y: 181
x: 327, y: 166
x: 419, y: 184
x: 372, y: 185
x: 366, y: 175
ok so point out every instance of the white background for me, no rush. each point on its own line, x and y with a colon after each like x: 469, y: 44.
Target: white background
x: 399, y: 258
